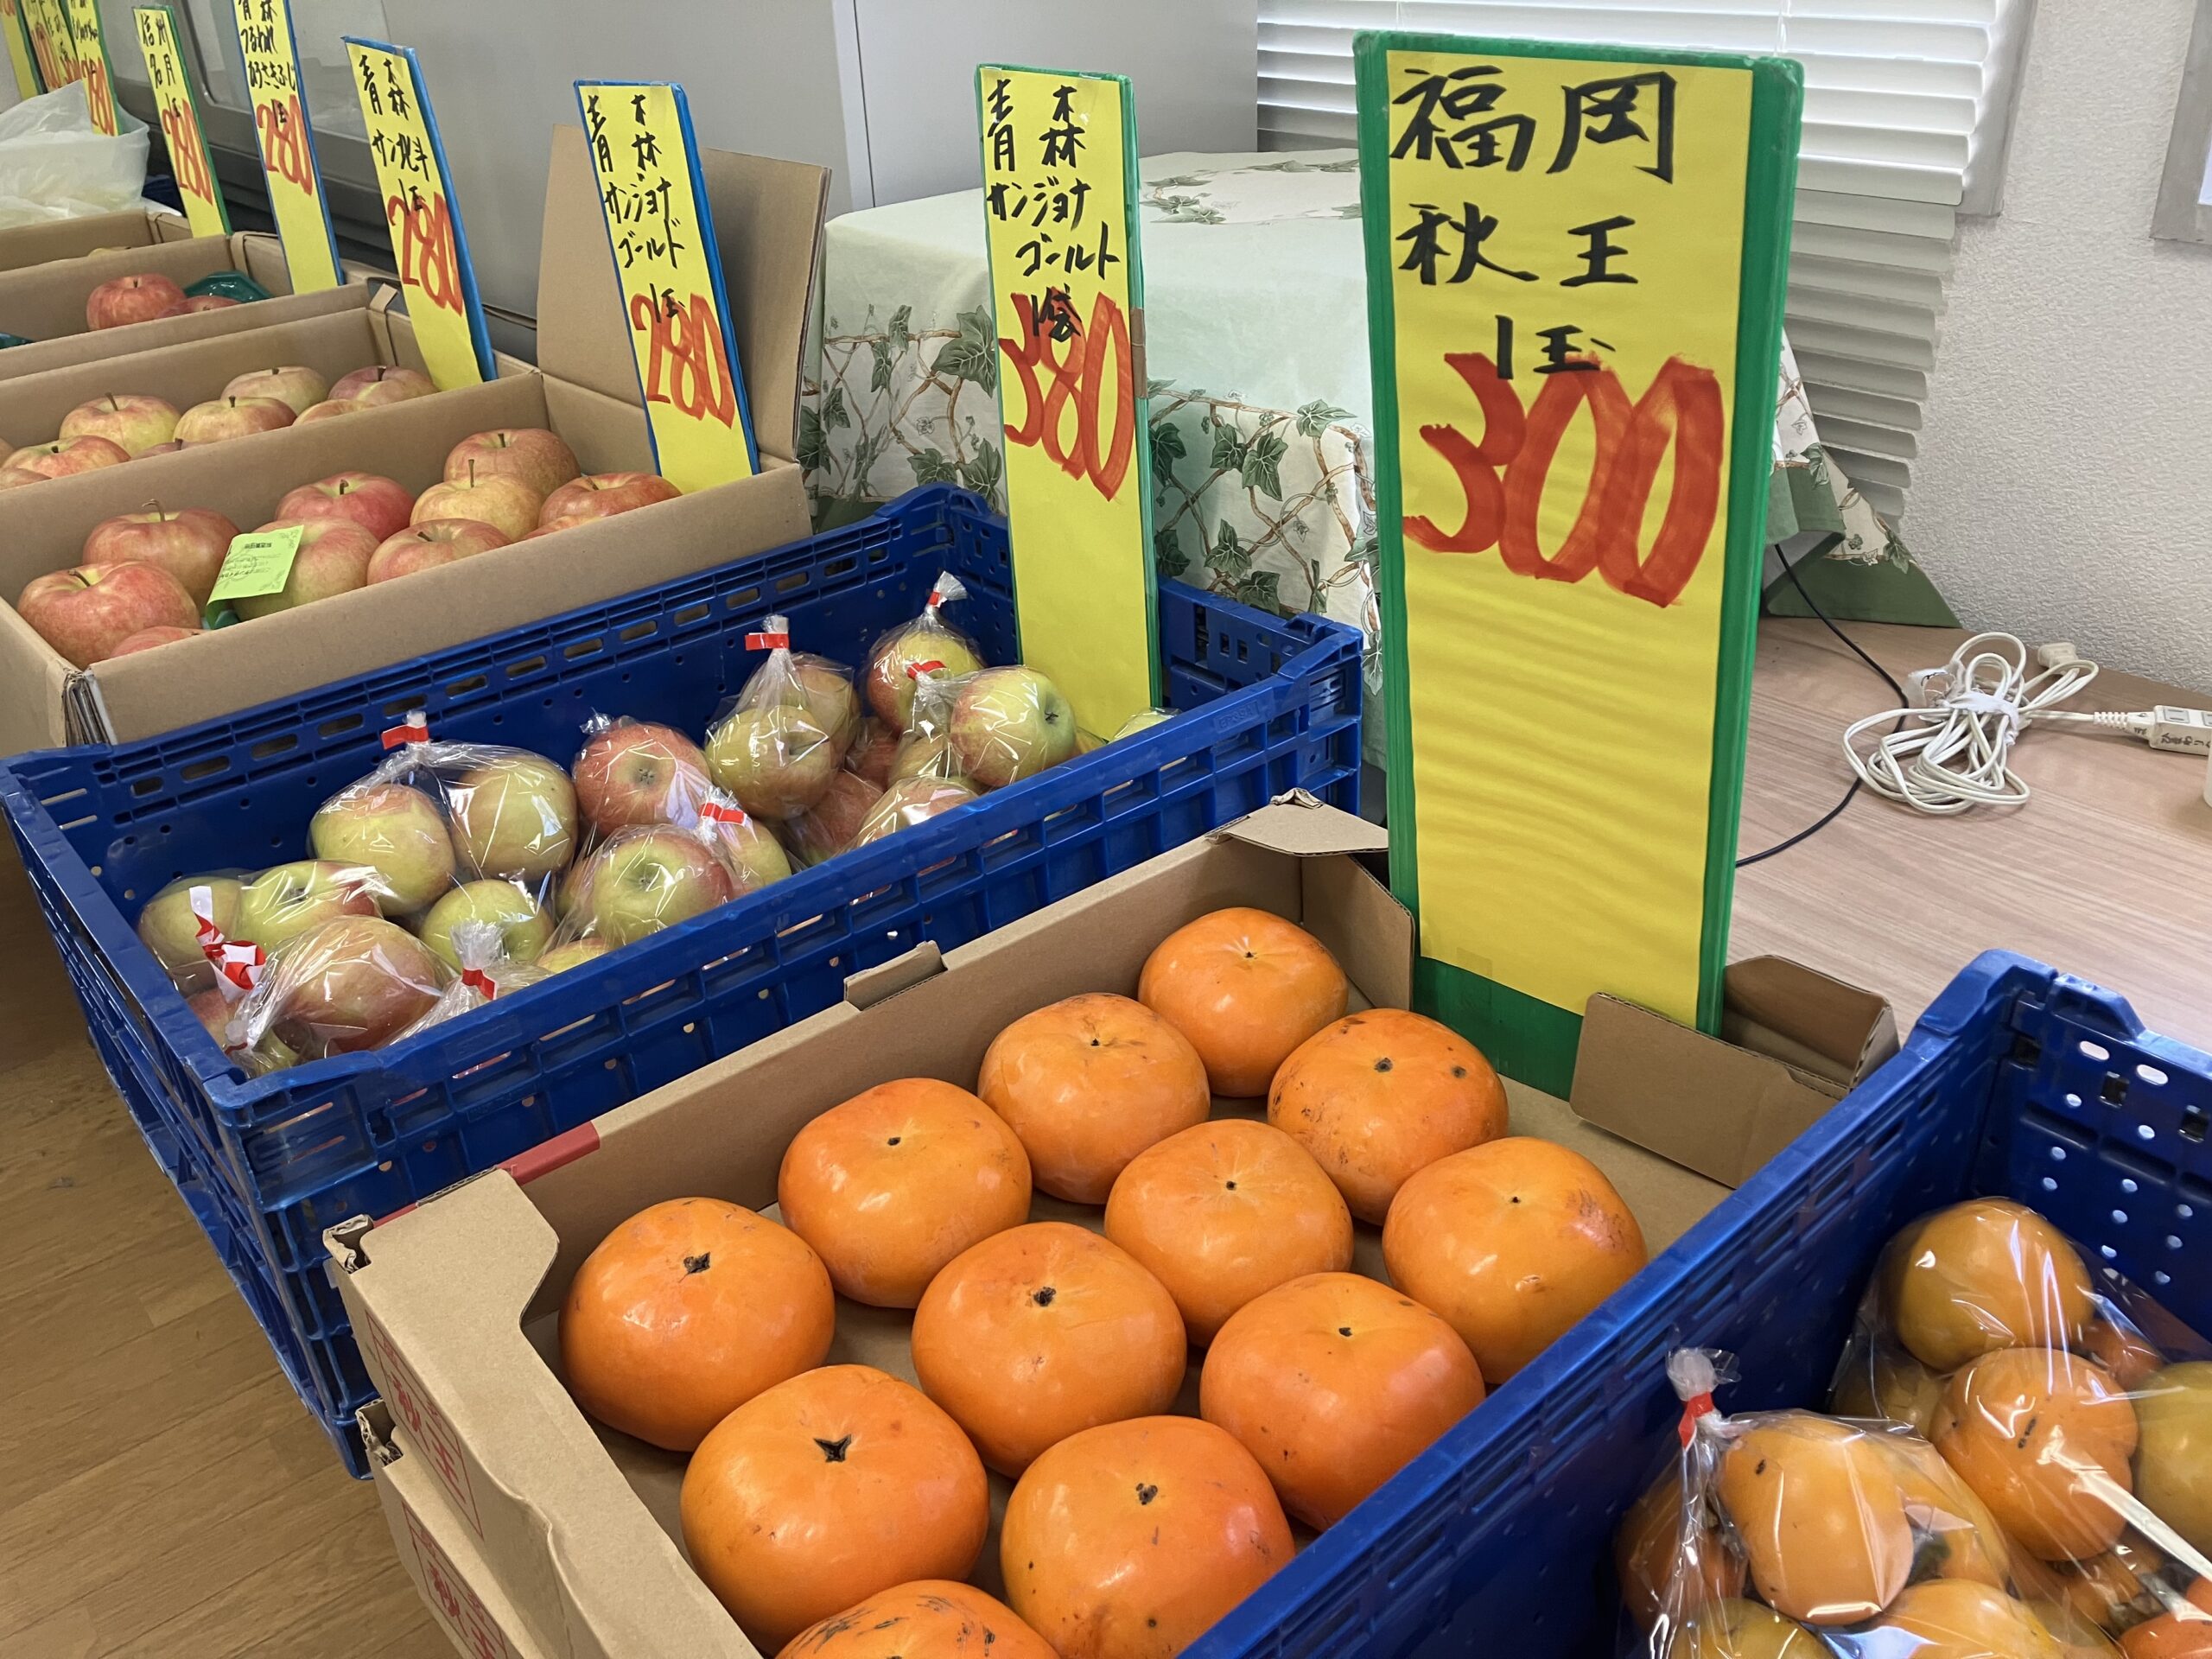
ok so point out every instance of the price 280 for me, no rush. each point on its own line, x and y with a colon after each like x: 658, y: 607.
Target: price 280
x: 687, y: 365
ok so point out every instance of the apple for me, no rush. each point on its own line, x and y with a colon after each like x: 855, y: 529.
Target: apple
x: 1011, y: 723
x: 168, y: 448
x: 168, y: 929
x: 649, y: 878
x: 558, y: 525
x: 826, y: 693
x: 574, y: 954
x: 351, y: 985
x: 295, y: 385
x: 213, y: 1009
x: 195, y: 304
x: 86, y: 613
x: 131, y: 299
x: 890, y: 677
x: 873, y: 751
x: 333, y: 558
x: 132, y: 423
x: 925, y: 753
x: 537, y: 457
x: 232, y: 417
x: 601, y: 495
x: 378, y: 505
x: 514, y: 816
x: 66, y: 457
x: 525, y: 928
x: 749, y: 850
x: 775, y: 760
x: 504, y: 502
x: 911, y: 800
x: 287, y: 900
x: 430, y: 544
x: 147, y: 639
x: 373, y: 387
x: 189, y: 544
x: 324, y: 411
x: 827, y: 827
x: 1143, y: 719
x: 633, y: 771
x: 393, y: 830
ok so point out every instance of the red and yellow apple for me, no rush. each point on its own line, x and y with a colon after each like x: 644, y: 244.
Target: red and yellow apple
x: 324, y: 411
x: 222, y: 418
x: 168, y: 929
x: 86, y: 613
x: 287, y: 900
x: 601, y: 495
x: 514, y: 816
x: 63, y: 457
x: 295, y: 385
x: 333, y: 558
x: 378, y: 505
x: 393, y: 830
x: 189, y: 544
x: 351, y: 985
x: 537, y: 457
x: 195, y: 304
x: 776, y: 759
x: 132, y: 299
x: 373, y: 388
x: 499, y: 499
x: 647, y: 878
x: 525, y: 927
x: 1011, y: 723
x: 634, y: 771
x: 910, y: 801
x: 430, y: 544
x: 134, y: 424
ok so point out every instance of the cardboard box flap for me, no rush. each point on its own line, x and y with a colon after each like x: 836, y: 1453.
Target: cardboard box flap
x: 1774, y: 1005
x: 1304, y: 827
x: 768, y: 218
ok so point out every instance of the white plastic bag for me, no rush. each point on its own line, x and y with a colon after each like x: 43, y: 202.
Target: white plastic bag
x: 55, y: 164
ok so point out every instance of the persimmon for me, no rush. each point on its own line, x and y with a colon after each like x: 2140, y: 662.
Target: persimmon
x: 1224, y: 1212
x: 1511, y: 1242
x: 1956, y: 1619
x: 685, y: 1312
x: 2175, y: 1471
x: 1335, y: 1383
x: 1884, y: 1383
x: 1982, y: 1275
x: 1735, y: 1628
x: 1376, y: 1096
x: 2041, y: 1435
x: 935, y: 1619
x: 1087, y: 1085
x: 2108, y: 1590
x: 894, y: 1183
x: 2126, y: 1353
x: 2077, y: 1638
x: 1041, y: 1331
x: 1131, y: 1540
x: 1649, y: 1543
x: 826, y: 1489
x: 1959, y: 1537
x: 1247, y: 987
x: 2183, y: 1630
x: 1821, y: 1514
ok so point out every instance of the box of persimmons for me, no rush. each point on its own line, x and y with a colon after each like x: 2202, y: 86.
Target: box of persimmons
x: 112, y: 525
x: 1040, y: 1289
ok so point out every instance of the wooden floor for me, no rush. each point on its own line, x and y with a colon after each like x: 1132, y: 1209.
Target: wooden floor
x: 162, y: 1493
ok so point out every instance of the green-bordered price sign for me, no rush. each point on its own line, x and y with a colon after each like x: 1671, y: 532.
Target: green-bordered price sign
x: 1575, y: 262
x: 176, y: 101
x: 54, y: 47
x: 21, y: 58
x: 93, y: 63
x: 1067, y: 287
x: 287, y: 137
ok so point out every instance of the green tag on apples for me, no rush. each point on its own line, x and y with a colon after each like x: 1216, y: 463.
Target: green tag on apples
x: 258, y: 562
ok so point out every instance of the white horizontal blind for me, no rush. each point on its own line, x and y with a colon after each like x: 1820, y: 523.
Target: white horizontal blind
x: 1906, y: 102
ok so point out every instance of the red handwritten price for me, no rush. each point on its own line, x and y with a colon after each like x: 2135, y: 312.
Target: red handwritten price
x: 187, y: 157
x: 283, y: 142
x: 688, y: 366
x: 429, y: 258
x: 98, y: 98
x: 1080, y: 371
x: 1503, y: 476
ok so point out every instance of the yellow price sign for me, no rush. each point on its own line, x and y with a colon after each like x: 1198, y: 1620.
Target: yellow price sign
x: 1575, y: 261
x: 21, y: 57
x: 280, y: 122
x: 93, y: 63
x: 427, y: 242
x: 52, y: 44
x: 177, y: 103
x: 669, y: 267
x: 1059, y: 214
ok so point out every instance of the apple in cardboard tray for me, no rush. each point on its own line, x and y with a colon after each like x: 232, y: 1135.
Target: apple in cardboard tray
x: 503, y: 501
x: 134, y: 424
x: 525, y: 928
x: 430, y: 544
x: 295, y: 385
x: 132, y: 299
x: 539, y: 458
x: 647, y: 878
x: 378, y: 505
x: 515, y: 815
x: 221, y: 418
x: 63, y: 457
x: 195, y: 304
x: 634, y: 772
x: 373, y: 388
x: 148, y: 639
x: 325, y: 411
x: 333, y: 558
x: 287, y: 900
x: 601, y: 495
x: 1011, y: 723
x: 189, y: 544
x: 86, y: 613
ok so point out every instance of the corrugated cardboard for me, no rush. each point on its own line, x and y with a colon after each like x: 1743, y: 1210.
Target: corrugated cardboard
x: 1793, y: 1043
x: 772, y: 216
x: 455, y: 1302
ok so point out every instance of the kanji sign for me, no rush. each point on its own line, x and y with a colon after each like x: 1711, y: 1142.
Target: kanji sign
x: 176, y: 101
x: 1059, y: 214
x: 93, y: 62
x: 21, y: 57
x: 1575, y: 262
x: 280, y: 120
x: 427, y: 242
x: 52, y: 46
x: 669, y: 269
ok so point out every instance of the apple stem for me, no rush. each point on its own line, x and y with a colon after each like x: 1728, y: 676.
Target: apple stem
x: 112, y: 404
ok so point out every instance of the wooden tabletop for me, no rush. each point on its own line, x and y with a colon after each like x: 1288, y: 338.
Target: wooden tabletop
x: 2105, y: 873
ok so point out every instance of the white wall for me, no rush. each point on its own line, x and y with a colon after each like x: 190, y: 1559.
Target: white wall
x: 2064, y: 490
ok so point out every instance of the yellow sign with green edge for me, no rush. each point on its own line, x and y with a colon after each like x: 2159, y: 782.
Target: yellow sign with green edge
x: 53, y: 45
x: 1059, y: 214
x: 287, y: 139
x: 669, y: 266
x: 1575, y: 261
x: 93, y: 63
x: 21, y: 57
x: 176, y: 104
x: 428, y: 246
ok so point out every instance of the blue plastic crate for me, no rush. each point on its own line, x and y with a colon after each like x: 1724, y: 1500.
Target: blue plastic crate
x: 2019, y: 1081
x: 1271, y: 705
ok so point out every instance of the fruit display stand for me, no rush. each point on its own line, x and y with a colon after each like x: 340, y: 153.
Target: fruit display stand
x: 585, y: 389
x: 1270, y: 706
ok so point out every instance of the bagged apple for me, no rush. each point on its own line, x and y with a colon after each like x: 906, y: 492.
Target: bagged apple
x: 748, y: 850
x: 926, y: 750
x: 486, y: 973
x: 874, y: 750
x: 1008, y: 724
x: 927, y: 645
x: 636, y: 772
x: 827, y: 827
x: 189, y: 923
x: 652, y: 876
x: 910, y: 801
x: 354, y: 984
x: 779, y: 745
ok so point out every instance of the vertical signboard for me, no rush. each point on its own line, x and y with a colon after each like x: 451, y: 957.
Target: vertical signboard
x: 21, y: 57
x: 1575, y: 264
x: 1059, y: 214
x: 93, y: 62
x: 669, y: 269
x: 428, y: 245
x: 280, y: 120
x: 53, y: 47
x: 177, y: 103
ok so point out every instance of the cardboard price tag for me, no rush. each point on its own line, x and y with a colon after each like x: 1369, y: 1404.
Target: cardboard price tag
x: 20, y: 56
x: 93, y: 63
x: 259, y: 562
x: 427, y: 242
x: 1059, y: 214
x: 280, y: 121
x: 176, y: 101
x: 670, y: 270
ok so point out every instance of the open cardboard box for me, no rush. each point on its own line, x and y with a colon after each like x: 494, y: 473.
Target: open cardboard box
x: 573, y: 1527
x: 768, y: 216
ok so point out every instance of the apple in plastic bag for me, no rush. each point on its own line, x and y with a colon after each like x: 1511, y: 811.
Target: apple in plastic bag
x: 911, y: 800
x: 635, y: 771
x: 351, y: 985
x: 393, y: 830
x: 574, y: 954
x: 514, y: 816
x: 525, y: 928
x: 777, y: 761
x: 750, y: 851
x: 287, y: 900
x: 1011, y: 723
x: 650, y: 879
x: 168, y: 929
x: 890, y: 677
x: 827, y: 827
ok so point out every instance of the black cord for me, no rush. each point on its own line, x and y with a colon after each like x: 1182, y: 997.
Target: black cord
x: 1850, y: 794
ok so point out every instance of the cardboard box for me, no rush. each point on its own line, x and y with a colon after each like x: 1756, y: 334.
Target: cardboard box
x: 768, y: 215
x: 455, y: 1302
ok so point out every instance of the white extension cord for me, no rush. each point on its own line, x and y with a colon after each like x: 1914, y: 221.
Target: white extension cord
x: 1953, y: 750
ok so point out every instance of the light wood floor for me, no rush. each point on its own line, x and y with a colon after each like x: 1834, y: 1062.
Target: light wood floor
x: 161, y: 1492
